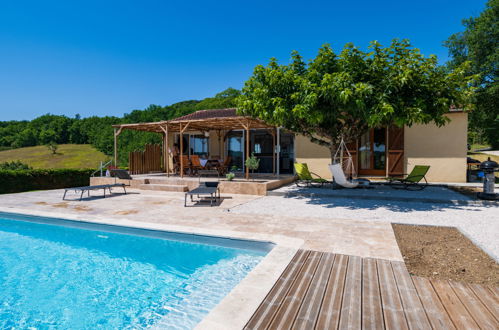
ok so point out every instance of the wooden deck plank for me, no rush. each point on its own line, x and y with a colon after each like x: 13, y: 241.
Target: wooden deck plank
x: 456, y: 310
x: 478, y: 311
x: 265, y: 312
x: 289, y: 307
x: 351, y: 307
x: 329, y: 314
x: 393, y: 312
x: 489, y: 299
x: 495, y: 290
x: 435, y: 311
x: 309, y: 310
x: 413, y: 308
x: 372, y: 314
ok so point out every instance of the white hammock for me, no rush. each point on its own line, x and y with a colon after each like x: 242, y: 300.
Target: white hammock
x: 346, y: 162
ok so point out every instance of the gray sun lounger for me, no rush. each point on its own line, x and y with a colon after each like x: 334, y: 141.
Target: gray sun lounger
x: 97, y: 187
x: 208, y: 189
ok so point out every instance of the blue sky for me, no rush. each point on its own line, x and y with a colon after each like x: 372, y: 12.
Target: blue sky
x: 110, y: 57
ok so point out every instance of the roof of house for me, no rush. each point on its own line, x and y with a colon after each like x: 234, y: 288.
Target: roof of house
x: 208, y: 114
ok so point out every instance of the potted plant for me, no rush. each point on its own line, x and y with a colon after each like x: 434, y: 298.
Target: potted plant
x: 252, y: 163
x: 231, y: 175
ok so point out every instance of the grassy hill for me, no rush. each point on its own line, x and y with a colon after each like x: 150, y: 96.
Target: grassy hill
x: 67, y: 156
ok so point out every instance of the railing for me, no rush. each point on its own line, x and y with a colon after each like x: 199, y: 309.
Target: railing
x: 101, y: 167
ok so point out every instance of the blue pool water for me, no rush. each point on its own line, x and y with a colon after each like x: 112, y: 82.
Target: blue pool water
x: 65, y: 276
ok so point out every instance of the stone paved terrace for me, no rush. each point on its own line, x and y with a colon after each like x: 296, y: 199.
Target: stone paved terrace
x: 361, y: 238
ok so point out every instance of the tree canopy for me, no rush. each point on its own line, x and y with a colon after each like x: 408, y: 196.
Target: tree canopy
x: 478, y: 44
x: 98, y: 131
x: 337, y: 96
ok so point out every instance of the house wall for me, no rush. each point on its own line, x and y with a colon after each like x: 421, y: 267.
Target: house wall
x: 443, y: 148
x: 317, y: 157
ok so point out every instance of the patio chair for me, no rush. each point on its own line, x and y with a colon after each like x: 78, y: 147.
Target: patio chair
x: 195, y: 164
x: 340, y: 178
x: 176, y: 164
x: 305, y: 177
x: 411, y: 181
x: 224, y: 168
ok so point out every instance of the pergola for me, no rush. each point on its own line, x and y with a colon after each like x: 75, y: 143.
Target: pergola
x: 203, y: 121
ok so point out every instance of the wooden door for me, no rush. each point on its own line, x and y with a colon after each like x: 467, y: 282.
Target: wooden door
x: 395, y: 151
x: 372, y: 152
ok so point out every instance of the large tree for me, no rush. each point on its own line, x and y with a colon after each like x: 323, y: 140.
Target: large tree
x: 341, y: 96
x: 479, y: 45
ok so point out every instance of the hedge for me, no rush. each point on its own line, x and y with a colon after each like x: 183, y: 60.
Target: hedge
x: 12, y: 181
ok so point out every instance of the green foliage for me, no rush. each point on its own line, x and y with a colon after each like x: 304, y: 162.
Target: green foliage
x: 230, y: 176
x: 341, y: 95
x: 52, y: 146
x: 98, y: 131
x: 14, y: 165
x: 68, y: 156
x: 252, y: 162
x: 478, y: 44
x: 26, y: 180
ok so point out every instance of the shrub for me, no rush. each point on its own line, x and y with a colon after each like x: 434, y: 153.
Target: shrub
x: 12, y: 181
x: 14, y: 165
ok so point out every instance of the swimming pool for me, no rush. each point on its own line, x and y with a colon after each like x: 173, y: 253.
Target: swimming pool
x: 57, y: 273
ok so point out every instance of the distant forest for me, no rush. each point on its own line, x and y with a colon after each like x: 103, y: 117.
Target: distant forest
x: 98, y: 131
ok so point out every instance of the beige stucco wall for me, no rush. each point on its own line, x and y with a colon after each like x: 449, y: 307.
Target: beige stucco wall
x: 317, y: 157
x: 443, y: 148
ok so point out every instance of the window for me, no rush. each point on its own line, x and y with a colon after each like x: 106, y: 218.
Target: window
x: 199, y: 145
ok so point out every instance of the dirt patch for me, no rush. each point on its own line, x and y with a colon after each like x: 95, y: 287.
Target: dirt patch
x: 41, y: 203
x: 127, y: 212
x: 82, y: 208
x: 444, y: 253
x: 62, y: 205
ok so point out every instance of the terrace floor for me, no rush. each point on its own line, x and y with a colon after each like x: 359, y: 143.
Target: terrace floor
x: 349, y: 271
x: 330, y: 291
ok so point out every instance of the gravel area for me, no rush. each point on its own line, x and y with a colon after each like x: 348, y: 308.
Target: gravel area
x: 478, y: 223
x: 381, y: 191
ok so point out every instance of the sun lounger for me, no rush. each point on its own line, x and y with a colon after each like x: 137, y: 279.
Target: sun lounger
x: 305, y: 177
x: 97, y: 187
x: 339, y: 177
x: 208, y: 189
x: 411, y: 182
x: 121, y: 174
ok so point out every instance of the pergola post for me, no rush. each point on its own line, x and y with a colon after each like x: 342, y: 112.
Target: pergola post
x: 117, y: 132
x: 274, y: 151
x: 167, y: 153
x: 181, y: 151
x: 247, y: 151
x: 278, y: 133
x: 115, y: 149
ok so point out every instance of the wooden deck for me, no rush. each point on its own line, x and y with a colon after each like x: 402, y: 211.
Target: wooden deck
x: 330, y: 291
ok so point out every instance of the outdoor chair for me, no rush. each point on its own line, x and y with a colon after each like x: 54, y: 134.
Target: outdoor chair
x: 208, y: 189
x: 340, y: 178
x: 306, y: 178
x: 224, y: 167
x: 195, y: 165
x: 176, y: 164
x: 411, y: 181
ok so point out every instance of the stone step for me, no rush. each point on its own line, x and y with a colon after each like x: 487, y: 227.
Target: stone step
x: 164, y: 187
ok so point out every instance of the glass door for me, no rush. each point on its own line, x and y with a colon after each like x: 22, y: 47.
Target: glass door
x: 287, y: 156
x: 372, y: 152
x: 235, y: 145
